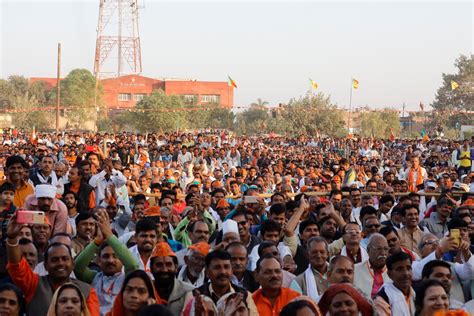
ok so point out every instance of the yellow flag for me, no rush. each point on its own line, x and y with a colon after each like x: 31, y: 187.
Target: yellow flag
x: 454, y: 85
x: 313, y: 84
x: 355, y: 83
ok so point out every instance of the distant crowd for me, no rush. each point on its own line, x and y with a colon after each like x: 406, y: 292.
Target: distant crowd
x: 209, y: 223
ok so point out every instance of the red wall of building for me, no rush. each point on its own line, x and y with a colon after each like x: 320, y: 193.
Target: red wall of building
x: 135, y: 84
x: 49, y: 83
x: 226, y: 93
x: 132, y: 84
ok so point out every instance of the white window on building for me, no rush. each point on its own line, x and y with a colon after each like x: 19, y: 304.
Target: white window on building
x: 124, y: 96
x: 190, y: 98
x: 138, y: 96
x: 210, y: 98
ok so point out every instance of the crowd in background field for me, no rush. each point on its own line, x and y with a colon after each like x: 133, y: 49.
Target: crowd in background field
x: 210, y: 223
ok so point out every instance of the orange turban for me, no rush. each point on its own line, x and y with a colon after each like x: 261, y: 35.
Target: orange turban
x: 152, y: 211
x: 222, y: 204
x: 468, y: 202
x: 162, y: 249
x: 201, y: 247
x: 217, y: 184
x: 47, y: 222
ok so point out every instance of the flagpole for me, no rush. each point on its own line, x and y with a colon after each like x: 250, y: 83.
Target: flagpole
x: 350, y: 110
x: 58, y: 88
x: 423, y: 115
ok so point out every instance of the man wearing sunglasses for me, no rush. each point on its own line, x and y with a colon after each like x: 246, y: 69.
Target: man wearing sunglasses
x: 370, y: 225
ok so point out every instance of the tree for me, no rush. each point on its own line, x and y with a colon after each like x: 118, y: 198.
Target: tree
x: 170, y: 112
x: 198, y: 115
x: 260, y: 103
x: 252, y: 121
x: 24, y: 100
x: 28, y: 114
x: 78, y: 92
x: 38, y: 90
x: 379, y: 123
x: 157, y: 111
x: 6, y: 94
x: 213, y: 117
x: 456, y: 106
x: 19, y: 84
x: 221, y: 118
x: 311, y: 114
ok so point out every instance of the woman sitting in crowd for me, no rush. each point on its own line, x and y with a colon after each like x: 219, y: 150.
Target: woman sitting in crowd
x: 137, y: 291
x: 68, y: 300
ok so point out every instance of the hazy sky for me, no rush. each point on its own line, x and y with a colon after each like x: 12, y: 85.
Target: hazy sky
x: 397, y: 50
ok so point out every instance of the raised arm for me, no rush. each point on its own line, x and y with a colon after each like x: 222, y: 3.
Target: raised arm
x: 296, y: 217
x: 82, y: 261
x: 124, y: 255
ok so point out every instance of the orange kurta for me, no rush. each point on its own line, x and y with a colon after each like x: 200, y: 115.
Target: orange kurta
x: 264, y: 306
x: 28, y: 281
x: 21, y: 193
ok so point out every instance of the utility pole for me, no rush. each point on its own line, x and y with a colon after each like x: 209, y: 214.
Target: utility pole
x: 58, y: 88
x: 403, y: 117
x: 350, y: 109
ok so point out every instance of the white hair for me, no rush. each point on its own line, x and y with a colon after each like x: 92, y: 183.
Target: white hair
x: 373, y: 238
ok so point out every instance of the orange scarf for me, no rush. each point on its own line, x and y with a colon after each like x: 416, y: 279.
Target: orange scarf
x: 419, y: 180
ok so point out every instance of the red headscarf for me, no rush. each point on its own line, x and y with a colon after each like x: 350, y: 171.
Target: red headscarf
x: 362, y: 304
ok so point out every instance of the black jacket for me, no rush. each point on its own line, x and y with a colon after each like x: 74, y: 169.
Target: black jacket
x: 83, y: 196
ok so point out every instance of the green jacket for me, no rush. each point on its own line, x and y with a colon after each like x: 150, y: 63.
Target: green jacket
x: 83, y: 260
x: 181, y: 235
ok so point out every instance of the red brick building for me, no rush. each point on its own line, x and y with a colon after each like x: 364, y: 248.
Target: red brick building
x: 49, y: 83
x: 124, y: 92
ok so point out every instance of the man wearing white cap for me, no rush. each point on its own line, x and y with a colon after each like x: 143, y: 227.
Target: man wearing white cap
x: 230, y: 232
x: 55, y: 210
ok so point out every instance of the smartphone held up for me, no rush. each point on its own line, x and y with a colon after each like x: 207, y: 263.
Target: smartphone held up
x: 29, y: 217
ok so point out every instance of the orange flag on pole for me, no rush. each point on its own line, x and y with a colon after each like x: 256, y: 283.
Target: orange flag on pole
x: 355, y: 83
x: 392, y: 136
x: 232, y: 82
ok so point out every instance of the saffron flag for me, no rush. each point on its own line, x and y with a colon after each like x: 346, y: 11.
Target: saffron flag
x: 313, y: 84
x: 33, y: 136
x: 422, y: 106
x: 232, y: 82
x: 454, y: 85
x: 355, y: 84
x: 392, y: 136
x: 425, y: 136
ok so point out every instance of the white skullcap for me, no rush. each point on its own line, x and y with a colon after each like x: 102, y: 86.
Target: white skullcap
x: 230, y: 226
x: 461, y: 186
x: 45, y: 190
x: 431, y: 184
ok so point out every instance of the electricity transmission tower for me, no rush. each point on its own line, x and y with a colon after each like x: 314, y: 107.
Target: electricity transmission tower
x: 117, y: 51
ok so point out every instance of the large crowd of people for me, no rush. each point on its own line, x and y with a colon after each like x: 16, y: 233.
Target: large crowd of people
x: 209, y: 223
